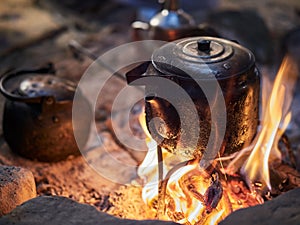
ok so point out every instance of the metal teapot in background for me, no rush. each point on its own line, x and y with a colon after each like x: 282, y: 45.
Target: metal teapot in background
x: 169, y: 24
x: 37, y: 118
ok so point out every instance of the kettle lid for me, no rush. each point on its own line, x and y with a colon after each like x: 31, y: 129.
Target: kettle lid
x: 205, y: 57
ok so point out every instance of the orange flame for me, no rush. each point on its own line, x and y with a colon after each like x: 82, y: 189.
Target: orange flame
x: 185, y: 192
x: 181, y: 204
x: 187, y: 185
x: 276, y: 117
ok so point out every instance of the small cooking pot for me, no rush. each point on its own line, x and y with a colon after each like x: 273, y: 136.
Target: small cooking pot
x: 209, y: 59
x: 37, y: 118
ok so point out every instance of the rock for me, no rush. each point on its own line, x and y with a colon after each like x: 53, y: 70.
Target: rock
x: 60, y: 210
x: 247, y: 28
x: 17, y: 185
x: 280, y: 15
x: 284, y: 209
x: 291, y: 44
x: 19, y: 26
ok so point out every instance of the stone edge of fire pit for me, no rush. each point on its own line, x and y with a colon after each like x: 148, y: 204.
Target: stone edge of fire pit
x: 57, y: 210
x: 284, y: 209
x: 17, y: 185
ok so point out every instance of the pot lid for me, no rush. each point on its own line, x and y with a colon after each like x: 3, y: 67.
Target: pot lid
x: 39, y: 85
x: 205, y: 57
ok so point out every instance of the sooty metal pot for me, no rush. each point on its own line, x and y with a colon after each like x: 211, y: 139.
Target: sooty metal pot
x: 37, y: 119
x: 209, y: 59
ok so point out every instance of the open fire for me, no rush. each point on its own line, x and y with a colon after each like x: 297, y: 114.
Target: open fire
x: 168, y: 186
x: 188, y: 194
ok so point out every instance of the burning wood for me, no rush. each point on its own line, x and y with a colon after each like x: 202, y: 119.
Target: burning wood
x: 213, y: 193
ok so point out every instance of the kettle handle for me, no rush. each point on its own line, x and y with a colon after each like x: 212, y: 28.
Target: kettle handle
x: 13, y: 97
x: 143, y: 71
x: 137, y: 73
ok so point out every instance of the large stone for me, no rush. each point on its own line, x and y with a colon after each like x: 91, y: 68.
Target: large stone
x: 60, y: 210
x: 22, y: 24
x: 279, y: 15
x: 247, y: 28
x: 284, y: 209
x: 17, y: 185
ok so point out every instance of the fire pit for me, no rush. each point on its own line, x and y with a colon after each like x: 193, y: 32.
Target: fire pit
x: 178, y: 190
x: 174, y: 187
x: 172, y: 176
x: 181, y: 190
x: 194, y: 63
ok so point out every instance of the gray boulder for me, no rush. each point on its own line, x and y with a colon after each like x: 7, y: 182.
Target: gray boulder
x: 56, y: 210
x: 17, y: 185
x: 284, y: 209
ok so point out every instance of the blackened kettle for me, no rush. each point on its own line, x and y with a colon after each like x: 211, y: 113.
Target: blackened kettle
x: 210, y: 60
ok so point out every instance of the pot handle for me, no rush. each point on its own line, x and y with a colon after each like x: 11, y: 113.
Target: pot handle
x: 13, y: 97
